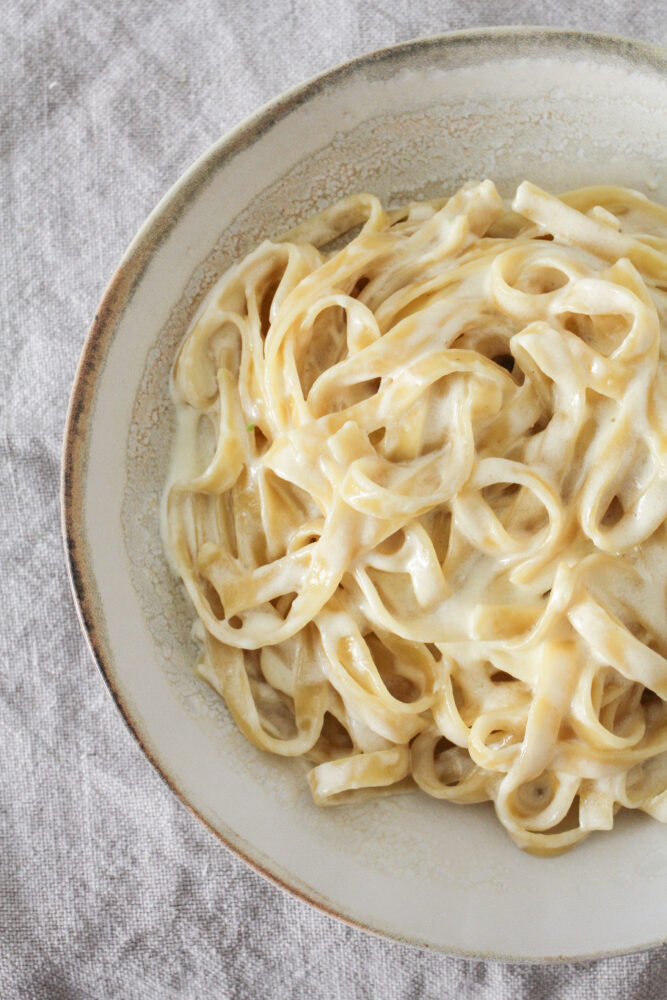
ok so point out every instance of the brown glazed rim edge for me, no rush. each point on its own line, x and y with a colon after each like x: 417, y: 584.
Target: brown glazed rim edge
x: 109, y: 313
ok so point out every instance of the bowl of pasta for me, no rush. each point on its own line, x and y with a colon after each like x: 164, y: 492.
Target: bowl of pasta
x: 365, y: 488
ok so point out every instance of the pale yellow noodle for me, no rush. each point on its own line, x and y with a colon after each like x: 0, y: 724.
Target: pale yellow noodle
x: 418, y: 499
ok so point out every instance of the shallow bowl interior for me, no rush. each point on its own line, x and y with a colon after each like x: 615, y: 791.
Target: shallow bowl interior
x: 562, y: 109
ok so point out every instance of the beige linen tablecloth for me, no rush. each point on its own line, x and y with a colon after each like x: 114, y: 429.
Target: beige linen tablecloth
x: 109, y: 887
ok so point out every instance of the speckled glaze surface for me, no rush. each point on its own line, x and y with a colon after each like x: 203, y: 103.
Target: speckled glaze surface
x: 560, y: 108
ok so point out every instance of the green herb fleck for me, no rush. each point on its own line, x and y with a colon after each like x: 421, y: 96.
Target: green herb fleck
x: 250, y: 427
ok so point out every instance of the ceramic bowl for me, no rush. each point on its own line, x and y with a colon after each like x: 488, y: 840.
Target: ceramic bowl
x: 561, y: 108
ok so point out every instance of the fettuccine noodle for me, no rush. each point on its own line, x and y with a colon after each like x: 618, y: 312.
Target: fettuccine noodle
x: 418, y: 501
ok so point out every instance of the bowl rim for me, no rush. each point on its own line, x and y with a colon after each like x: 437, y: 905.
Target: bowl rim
x: 115, y: 299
